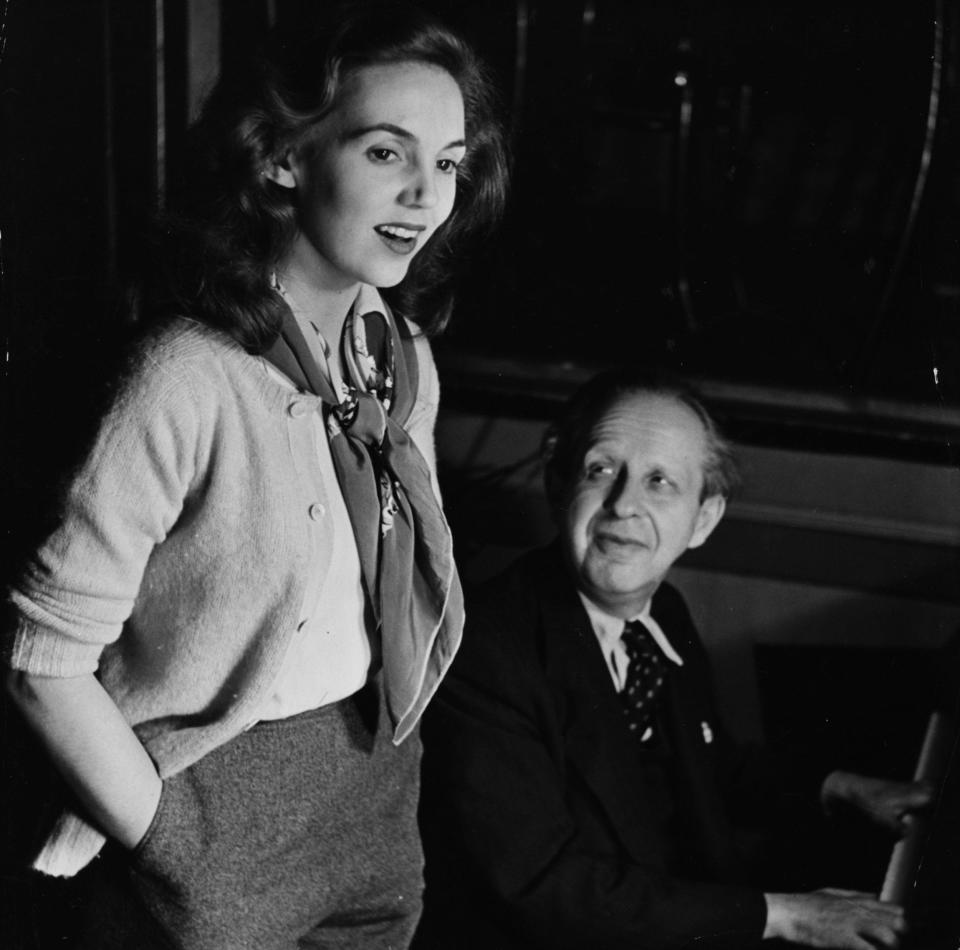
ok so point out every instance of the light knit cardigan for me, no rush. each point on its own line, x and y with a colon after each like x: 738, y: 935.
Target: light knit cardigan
x: 191, y: 528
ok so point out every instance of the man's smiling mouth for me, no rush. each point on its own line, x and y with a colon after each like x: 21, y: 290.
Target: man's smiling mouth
x: 615, y: 542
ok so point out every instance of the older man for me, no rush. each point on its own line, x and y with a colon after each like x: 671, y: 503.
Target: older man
x: 578, y: 783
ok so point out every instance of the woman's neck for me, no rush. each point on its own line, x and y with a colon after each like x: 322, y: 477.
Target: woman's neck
x: 314, y: 292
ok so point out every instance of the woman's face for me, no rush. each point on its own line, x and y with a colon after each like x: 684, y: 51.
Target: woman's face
x: 378, y: 176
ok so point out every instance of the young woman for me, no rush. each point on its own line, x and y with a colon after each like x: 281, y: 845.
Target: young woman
x: 226, y: 644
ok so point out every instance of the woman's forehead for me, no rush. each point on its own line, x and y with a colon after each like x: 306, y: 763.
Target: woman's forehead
x: 406, y: 91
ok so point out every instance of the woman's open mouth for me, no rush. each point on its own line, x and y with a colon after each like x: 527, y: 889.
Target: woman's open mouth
x: 400, y: 238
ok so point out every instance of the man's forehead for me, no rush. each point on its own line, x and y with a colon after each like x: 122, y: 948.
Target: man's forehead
x: 638, y: 419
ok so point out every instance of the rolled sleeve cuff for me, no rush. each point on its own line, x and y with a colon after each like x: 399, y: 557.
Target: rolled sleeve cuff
x: 37, y: 648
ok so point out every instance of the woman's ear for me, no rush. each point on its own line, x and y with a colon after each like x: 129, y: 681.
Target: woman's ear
x: 281, y: 171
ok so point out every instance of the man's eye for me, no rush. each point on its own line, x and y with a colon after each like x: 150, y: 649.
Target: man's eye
x: 599, y: 470
x: 660, y: 482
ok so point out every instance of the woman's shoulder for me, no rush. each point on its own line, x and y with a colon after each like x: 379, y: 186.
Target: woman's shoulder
x: 428, y: 379
x: 181, y: 366
x: 183, y: 350
x: 184, y: 341
x: 415, y: 332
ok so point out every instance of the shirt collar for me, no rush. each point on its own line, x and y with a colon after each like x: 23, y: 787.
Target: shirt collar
x: 368, y: 300
x: 608, y: 628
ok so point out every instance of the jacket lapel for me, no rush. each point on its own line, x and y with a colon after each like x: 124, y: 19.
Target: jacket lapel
x: 688, y: 713
x: 599, y: 746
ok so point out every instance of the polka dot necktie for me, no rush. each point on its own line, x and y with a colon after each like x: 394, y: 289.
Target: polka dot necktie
x: 646, y: 674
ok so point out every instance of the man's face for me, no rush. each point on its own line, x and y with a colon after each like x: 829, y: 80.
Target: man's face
x: 633, y: 506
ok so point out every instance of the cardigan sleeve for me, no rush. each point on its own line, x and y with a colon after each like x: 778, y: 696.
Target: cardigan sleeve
x: 80, y: 586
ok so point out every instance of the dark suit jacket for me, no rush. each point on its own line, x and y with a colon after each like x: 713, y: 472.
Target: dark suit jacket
x: 538, y: 820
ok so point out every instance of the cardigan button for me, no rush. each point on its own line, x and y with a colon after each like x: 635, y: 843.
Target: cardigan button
x: 317, y: 511
x: 298, y: 408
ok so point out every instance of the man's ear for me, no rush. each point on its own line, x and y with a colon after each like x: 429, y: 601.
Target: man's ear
x: 281, y: 171
x: 711, y: 511
x: 552, y: 482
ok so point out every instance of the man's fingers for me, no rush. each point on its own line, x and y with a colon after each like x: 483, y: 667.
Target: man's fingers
x: 883, y: 924
x: 884, y: 934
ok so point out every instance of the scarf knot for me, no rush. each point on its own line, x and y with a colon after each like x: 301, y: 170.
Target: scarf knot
x: 362, y: 417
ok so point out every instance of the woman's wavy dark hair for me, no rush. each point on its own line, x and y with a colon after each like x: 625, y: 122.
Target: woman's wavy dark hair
x: 229, y: 225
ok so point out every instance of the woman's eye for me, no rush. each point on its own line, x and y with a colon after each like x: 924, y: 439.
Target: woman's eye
x: 447, y: 165
x: 382, y: 154
x: 660, y: 482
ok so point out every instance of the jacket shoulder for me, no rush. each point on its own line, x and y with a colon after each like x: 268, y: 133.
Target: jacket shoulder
x: 669, y: 601
x: 519, y: 587
x: 669, y: 608
x: 505, y: 614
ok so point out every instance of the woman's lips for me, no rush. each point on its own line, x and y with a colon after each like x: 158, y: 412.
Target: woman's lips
x: 400, y: 238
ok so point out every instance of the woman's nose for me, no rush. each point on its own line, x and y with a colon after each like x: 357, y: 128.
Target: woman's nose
x: 421, y: 188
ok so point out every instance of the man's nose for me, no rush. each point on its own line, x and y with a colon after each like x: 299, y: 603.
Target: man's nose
x: 626, y: 497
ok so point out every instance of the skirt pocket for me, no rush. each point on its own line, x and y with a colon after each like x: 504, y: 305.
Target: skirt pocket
x: 172, y: 844
x: 153, y: 829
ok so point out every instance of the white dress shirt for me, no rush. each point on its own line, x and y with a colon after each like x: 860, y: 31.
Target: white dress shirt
x: 332, y: 649
x: 609, y: 632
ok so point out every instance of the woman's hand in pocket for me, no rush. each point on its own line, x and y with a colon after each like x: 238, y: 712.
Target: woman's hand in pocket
x: 94, y: 748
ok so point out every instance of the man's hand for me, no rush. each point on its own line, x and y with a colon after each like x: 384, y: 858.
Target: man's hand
x: 884, y: 802
x: 841, y: 920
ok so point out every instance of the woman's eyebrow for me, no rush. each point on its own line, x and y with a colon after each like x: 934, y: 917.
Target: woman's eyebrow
x: 401, y: 133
